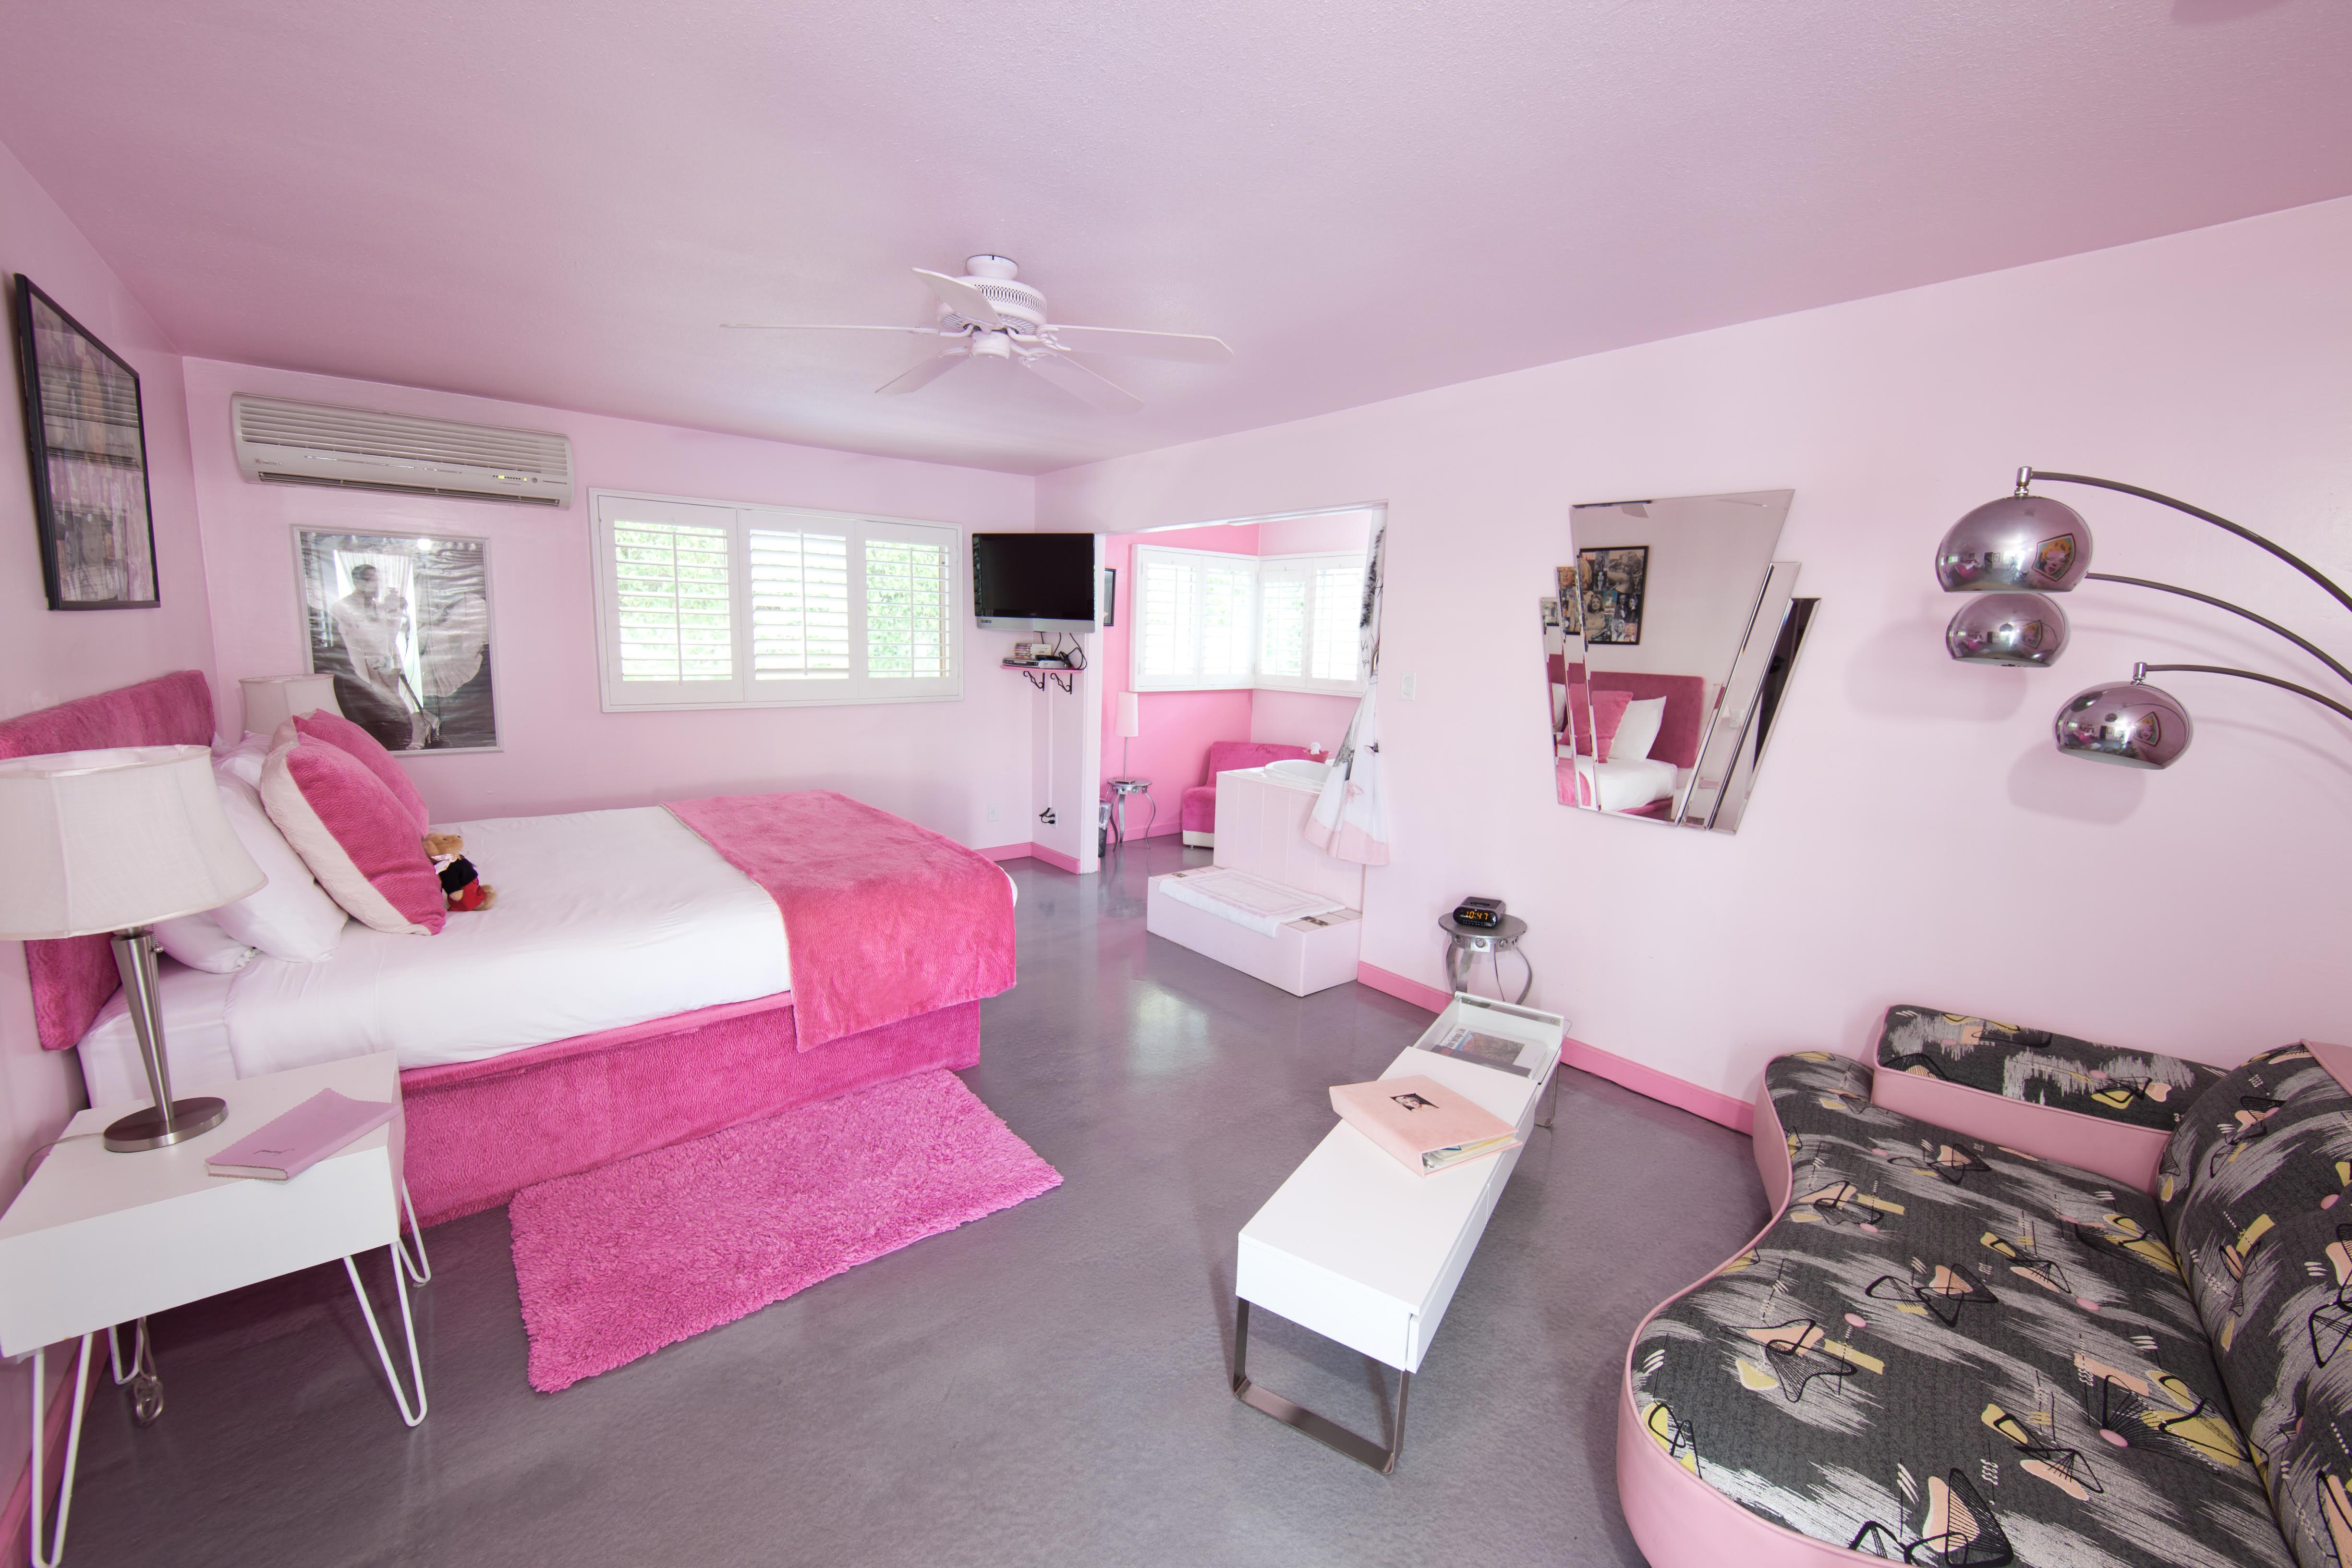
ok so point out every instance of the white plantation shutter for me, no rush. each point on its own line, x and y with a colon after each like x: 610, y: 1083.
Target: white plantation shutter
x: 1228, y: 629
x: 710, y: 605
x: 800, y: 603
x: 1339, y: 610
x: 909, y: 600
x: 1282, y: 587
x: 1166, y: 637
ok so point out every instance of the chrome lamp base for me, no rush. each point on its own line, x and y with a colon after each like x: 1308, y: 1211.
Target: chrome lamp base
x: 152, y: 1129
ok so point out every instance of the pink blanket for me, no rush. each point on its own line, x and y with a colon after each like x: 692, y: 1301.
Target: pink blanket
x: 885, y: 919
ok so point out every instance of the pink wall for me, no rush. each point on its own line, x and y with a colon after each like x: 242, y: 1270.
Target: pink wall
x: 2190, y: 912
x: 47, y: 656
x: 943, y: 764
x: 1179, y: 727
x: 1301, y: 718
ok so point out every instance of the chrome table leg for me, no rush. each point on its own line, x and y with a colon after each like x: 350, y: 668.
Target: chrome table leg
x: 1330, y: 1433
x: 367, y: 1311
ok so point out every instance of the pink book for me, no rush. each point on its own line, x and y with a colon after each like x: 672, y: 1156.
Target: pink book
x: 1426, y: 1126
x: 283, y: 1148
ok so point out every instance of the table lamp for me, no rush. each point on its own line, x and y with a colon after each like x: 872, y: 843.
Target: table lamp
x: 113, y: 841
x: 271, y: 700
x: 1131, y: 725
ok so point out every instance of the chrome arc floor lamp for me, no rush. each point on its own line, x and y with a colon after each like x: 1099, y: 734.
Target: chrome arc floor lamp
x: 2010, y: 555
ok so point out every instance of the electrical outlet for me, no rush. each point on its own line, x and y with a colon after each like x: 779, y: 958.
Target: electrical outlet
x: 1405, y: 687
x: 992, y: 814
x: 1046, y: 817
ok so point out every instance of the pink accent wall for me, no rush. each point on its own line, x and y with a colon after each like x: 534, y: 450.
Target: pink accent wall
x: 942, y: 764
x: 47, y: 656
x: 2207, y: 364
x: 1301, y: 718
x: 1179, y: 727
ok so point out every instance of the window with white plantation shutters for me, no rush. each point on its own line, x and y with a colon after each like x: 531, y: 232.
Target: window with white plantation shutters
x: 1195, y: 620
x: 1308, y: 611
x: 704, y: 605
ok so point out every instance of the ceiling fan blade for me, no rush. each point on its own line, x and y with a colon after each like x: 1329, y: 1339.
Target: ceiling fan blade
x: 1143, y: 346
x: 961, y: 298
x: 1080, y: 382
x: 823, y: 326
x: 923, y: 374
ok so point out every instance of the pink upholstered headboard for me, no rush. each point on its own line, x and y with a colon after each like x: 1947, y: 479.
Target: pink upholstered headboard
x: 72, y: 979
x: 1685, y: 695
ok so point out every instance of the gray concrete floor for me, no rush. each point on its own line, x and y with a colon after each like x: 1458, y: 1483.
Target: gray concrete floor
x: 1048, y: 1385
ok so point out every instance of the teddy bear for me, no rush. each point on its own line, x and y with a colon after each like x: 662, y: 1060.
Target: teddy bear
x: 460, y: 883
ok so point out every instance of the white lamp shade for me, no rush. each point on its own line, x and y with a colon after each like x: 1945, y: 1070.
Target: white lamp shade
x: 271, y: 700
x: 104, y: 841
x: 1130, y: 714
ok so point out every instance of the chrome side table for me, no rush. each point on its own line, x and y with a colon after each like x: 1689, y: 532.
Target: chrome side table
x: 1469, y: 942
x: 1121, y: 789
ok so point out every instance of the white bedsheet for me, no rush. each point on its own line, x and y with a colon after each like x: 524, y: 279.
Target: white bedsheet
x: 1627, y: 782
x: 604, y: 918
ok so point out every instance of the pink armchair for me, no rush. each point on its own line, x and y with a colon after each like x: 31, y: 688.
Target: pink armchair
x: 1199, y: 819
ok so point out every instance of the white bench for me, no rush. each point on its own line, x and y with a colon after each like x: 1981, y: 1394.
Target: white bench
x: 1363, y: 1250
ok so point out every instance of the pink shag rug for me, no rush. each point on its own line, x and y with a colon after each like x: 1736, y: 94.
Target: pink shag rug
x: 617, y: 1262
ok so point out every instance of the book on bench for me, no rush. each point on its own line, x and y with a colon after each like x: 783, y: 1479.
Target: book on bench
x: 1426, y: 1126
x: 282, y: 1149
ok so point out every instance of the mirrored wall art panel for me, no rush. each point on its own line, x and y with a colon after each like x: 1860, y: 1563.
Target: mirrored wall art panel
x: 1667, y: 647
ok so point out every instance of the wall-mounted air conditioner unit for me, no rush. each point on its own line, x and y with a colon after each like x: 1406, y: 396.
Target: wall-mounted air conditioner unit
x: 286, y: 442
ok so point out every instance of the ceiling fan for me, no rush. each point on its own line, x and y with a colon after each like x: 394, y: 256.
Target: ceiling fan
x: 990, y: 314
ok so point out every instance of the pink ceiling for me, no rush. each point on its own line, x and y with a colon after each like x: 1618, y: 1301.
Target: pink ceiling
x: 558, y: 200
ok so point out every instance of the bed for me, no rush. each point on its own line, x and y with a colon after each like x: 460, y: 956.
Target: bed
x: 632, y: 987
x: 1632, y: 786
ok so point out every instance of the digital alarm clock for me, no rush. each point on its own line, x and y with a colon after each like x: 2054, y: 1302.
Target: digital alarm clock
x: 1484, y: 914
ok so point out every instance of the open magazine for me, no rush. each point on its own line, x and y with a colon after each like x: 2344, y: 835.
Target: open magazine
x: 1486, y: 1050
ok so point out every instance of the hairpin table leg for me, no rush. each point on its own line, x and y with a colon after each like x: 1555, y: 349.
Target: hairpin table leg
x: 1551, y: 1099
x: 57, y: 1544
x: 1328, y: 1433
x: 146, y: 1388
x: 415, y: 1367
x: 420, y: 1267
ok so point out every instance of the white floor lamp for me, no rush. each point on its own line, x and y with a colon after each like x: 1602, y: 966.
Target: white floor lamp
x: 111, y: 842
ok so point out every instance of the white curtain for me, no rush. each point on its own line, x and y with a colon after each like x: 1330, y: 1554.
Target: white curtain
x: 1348, y: 819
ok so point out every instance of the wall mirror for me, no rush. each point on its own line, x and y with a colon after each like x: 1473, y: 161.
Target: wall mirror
x: 1667, y: 647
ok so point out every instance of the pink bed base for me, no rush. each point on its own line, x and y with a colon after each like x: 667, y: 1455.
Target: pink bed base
x: 478, y: 1133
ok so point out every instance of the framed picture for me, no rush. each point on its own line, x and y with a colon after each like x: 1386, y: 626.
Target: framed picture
x: 402, y: 621
x: 87, y: 451
x: 1610, y: 587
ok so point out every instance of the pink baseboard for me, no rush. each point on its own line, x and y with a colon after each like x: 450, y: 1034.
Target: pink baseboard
x: 1006, y: 852
x: 13, y: 1541
x: 1054, y: 858
x: 1648, y: 1081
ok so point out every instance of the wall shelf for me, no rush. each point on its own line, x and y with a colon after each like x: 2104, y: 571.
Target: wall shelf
x: 1039, y: 673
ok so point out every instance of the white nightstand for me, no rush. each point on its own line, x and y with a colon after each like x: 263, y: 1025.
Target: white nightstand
x: 97, y: 1238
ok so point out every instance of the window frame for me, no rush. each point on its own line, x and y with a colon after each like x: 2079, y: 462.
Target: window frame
x: 1140, y: 578
x: 860, y: 688
x: 1308, y: 562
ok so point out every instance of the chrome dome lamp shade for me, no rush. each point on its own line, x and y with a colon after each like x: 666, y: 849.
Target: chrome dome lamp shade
x: 2025, y: 630
x: 2129, y: 723
x: 2018, y: 543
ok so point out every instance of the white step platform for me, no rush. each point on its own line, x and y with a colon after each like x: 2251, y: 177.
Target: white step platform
x: 1260, y: 818
x: 1302, y: 957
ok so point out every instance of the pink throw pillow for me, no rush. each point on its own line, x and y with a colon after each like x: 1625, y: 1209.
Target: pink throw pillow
x: 345, y: 736
x: 1608, y: 712
x: 356, y: 837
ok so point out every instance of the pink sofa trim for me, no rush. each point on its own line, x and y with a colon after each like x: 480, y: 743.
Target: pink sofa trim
x: 1647, y: 1081
x: 1677, y: 1520
x: 481, y: 1132
x: 2120, y: 1152
x: 72, y: 979
x: 1197, y: 811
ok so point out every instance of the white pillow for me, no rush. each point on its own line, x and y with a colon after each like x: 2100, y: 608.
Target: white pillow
x: 291, y: 917
x: 1638, y: 731
x: 244, y: 760
x: 198, y: 941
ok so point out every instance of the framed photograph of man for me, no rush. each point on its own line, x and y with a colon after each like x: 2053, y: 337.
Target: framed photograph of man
x: 1610, y: 586
x: 402, y: 623
x: 88, y: 452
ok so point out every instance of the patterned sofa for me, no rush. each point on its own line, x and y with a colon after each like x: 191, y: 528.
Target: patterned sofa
x: 1950, y: 1349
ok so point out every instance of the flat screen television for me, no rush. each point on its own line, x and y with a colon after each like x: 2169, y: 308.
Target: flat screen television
x: 1035, y: 581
